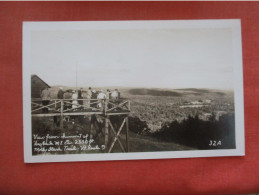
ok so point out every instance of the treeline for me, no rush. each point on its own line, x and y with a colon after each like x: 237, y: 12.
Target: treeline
x: 200, y: 134
x: 159, y: 110
x: 192, y: 131
x: 154, y: 92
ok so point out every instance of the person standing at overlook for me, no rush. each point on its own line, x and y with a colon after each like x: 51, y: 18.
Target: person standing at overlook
x: 93, y: 98
x: 60, y: 93
x: 101, y: 97
x: 115, y: 95
x: 80, y: 97
x: 60, y: 96
x: 74, y: 99
x: 108, y: 94
x: 45, y: 97
x: 89, y: 97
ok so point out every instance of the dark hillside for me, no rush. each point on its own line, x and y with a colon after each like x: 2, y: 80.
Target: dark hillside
x: 197, y: 133
x: 154, y: 92
x: 195, y: 90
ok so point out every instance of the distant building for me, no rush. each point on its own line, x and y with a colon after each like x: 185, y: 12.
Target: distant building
x: 206, y: 116
x: 186, y: 102
x: 37, y: 85
x: 196, y: 102
x: 208, y: 101
x: 220, y: 113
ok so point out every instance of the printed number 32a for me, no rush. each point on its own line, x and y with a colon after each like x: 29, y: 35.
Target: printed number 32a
x: 215, y: 143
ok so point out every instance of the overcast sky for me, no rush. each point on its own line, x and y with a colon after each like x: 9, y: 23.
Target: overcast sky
x: 161, y: 58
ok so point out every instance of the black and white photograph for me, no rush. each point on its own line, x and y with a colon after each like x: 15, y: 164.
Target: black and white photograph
x: 118, y: 90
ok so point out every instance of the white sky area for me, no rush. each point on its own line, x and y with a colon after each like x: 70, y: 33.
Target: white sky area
x: 169, y: 58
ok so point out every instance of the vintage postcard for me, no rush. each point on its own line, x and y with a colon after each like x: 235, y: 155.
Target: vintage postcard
x: 118, y: 90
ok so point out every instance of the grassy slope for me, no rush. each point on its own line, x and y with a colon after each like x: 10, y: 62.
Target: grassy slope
x: 137, y: 143
x: 147, y: 144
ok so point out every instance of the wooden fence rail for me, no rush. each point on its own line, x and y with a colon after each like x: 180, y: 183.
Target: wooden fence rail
x: 80, y: 106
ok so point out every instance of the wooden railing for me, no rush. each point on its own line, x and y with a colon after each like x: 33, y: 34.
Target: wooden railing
x: 79, y: 105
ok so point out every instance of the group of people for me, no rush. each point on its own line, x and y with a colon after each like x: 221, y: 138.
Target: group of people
x: 88, y: 97
x: 75, y: 98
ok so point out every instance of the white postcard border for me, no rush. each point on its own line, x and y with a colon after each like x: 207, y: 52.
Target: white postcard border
x: 234, y: 24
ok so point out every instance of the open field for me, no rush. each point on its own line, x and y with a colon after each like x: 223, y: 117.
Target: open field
x: 156, y: 110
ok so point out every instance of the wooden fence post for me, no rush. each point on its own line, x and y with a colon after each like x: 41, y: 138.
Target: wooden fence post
x: 105, y: 106
x: 91, y: 126
x: 127, y: 134
x: 106, y: 132
x: 61, y: 113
